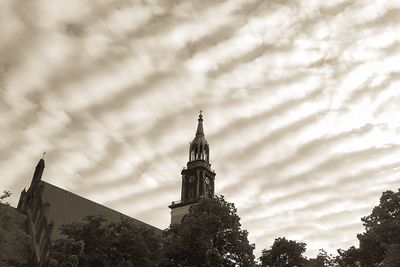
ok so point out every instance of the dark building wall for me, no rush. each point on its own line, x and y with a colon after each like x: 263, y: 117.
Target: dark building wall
x: 66, y: 207
x: 39, y: 226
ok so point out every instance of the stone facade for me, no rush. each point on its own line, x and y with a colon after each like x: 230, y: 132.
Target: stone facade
x: 39, y: 225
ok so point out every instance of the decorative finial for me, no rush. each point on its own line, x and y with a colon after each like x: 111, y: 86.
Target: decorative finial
x: 44, y: 153
x: 200, y: 130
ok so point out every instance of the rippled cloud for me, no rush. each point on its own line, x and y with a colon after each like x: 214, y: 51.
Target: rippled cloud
x: 300, y: 100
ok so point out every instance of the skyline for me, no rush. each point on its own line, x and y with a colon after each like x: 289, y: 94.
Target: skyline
x: 299, y: 98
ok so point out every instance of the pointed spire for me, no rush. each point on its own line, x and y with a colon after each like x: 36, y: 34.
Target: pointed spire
x: 199, y: 148
x: 200, y: 130
x: 37, y: 176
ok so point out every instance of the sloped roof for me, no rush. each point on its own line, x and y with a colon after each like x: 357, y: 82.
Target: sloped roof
x: 67, y: 207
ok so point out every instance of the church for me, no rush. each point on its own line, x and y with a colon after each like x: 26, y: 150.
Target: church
x: 47, y: 206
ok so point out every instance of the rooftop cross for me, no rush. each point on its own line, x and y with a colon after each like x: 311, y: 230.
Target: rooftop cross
x: 200, y: 130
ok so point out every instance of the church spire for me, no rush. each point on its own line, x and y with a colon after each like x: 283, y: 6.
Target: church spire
x: 200, y: 130
x: 37, y: 175
x: 199, y: 148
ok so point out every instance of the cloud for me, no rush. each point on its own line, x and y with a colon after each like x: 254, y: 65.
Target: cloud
x: 299, y: 99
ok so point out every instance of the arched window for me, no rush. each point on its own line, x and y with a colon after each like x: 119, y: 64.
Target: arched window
x: 193, y: 154
x: 206, y: 153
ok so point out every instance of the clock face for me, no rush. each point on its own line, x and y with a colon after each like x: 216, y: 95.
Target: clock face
x: 207, y: 181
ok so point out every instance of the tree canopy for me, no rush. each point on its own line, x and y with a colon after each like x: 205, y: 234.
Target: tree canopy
x: 348, y: 258
x: 382, y: 232
x: 323, y: 259
x: 96, y: 242
x: 14, y: 241
x: 3, y: 196
x: 380, y: 243
x: 210, y: 235
x: 284, y: 252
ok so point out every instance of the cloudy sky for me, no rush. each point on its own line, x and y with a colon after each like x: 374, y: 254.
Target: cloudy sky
x: 300, y: 100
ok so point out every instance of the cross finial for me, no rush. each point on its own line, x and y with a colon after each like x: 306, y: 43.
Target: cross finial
x: 200, y: 115
x: 44, y: 153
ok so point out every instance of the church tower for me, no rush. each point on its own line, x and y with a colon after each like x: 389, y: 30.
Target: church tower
x: 197, y: 176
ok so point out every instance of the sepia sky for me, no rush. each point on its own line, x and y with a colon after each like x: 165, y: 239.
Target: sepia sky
x: 301, y: 104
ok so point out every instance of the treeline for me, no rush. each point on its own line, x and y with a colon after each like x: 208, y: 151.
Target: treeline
x: 379, y: 245
x: 211, y: 235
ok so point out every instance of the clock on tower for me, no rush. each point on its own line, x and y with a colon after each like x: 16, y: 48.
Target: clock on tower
x: 197, y: 176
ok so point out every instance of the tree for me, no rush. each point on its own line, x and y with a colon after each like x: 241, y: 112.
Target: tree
x: 14, y: 241
x: 382, y: 231
x: 284, y: 253
x: 392, y: 256
x: 348, y: 258
x: 315, y: 262
x: 3, y: 196
x: 66, y: 252
x: 380, y: 243
x: 108, y: 244
x: 322, y: 260
x: 210, y: 235
x: 371, y: 249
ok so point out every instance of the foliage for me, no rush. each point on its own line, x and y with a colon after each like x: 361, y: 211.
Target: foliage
x: 371, y: 249
x: 66, y: 252
x: 3, y: 196
x: 392, y: 256
x: 382, y: 231
x: 348, y: 258
x: 380, y: 243
x: 317, y: 262
x: 14, y: 241
x: 109, y: 244
x: 322, y: 260
x: 387, y: 213
x: 210, y: 235
x: 284, y: 253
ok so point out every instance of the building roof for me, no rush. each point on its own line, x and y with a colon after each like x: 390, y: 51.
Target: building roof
x: 67, y: 207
